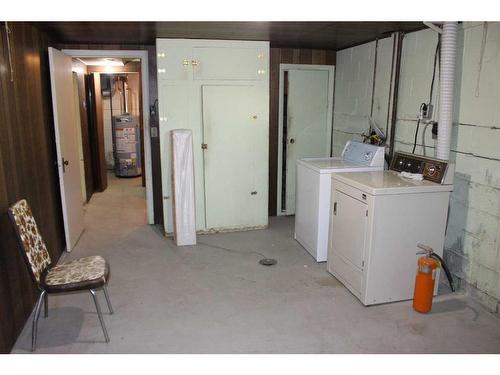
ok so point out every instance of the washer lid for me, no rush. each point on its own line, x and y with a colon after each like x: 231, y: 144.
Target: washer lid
x: 328, y: 165
x: 388, y: 182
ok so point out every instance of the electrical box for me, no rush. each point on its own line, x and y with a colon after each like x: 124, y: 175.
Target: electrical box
x: 425, y: 111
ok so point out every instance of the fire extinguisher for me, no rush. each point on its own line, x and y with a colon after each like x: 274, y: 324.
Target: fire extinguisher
x: 426, y: 275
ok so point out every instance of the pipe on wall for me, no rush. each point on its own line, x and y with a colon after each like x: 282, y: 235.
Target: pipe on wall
x: 446, y: 88
x: 397, y: 72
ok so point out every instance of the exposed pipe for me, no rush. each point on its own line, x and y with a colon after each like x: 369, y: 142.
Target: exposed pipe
x: 374, y: 76
x: 397, y: 68
x: 446, y: 88
x: 390, y: 85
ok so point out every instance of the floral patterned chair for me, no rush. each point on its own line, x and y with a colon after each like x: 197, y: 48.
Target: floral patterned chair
x: 89, y: 273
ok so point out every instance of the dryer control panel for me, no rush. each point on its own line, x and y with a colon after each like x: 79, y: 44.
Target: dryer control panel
x: 432, y: 169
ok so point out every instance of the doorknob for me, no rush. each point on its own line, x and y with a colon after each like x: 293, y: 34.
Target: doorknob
x: 292, y: 140
x: 64, y: 164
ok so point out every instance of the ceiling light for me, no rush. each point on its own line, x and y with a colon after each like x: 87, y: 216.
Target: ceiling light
x: 102, y: 62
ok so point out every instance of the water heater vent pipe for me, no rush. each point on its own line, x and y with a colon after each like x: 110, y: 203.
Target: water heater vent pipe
x: 446, y: 88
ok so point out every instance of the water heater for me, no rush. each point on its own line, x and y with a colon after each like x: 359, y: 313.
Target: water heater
x: 126, y: 145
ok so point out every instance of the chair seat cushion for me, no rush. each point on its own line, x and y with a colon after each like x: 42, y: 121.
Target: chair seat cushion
x: 84, y: 273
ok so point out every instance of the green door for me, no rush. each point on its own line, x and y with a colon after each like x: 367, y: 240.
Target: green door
x: 235, y: 157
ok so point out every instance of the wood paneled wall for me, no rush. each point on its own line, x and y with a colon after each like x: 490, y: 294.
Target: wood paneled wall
x: 153, y: 121
x: 27, y: 169
x: 285, y: 56
x: 96, y: 116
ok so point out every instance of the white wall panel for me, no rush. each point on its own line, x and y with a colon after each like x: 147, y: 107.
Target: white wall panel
x: 354, y: 88
x: 353, y: 91
x: 382, y: 82
x: 480, y: 104
x: 417, y: 61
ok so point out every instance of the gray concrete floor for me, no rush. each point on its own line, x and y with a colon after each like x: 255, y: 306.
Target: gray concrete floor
x: 203, y: 299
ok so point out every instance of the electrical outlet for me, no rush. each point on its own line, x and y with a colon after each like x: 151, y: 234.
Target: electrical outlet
x: 425, y: 112
x: 434, y: 130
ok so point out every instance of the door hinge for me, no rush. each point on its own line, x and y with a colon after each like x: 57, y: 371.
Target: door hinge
x: 204, y: 146
x: 366, y: 212
x: 362, y: 263
x: 335, y: 208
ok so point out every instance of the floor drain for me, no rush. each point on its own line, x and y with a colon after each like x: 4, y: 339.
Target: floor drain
x: 268, y: 262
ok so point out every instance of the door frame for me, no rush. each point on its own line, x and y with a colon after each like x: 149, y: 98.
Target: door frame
x: 143, y: 55
x: 283, y: 68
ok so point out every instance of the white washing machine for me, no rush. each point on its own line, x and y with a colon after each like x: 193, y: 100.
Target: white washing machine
x: 312, y: 215
x: 378, y: 218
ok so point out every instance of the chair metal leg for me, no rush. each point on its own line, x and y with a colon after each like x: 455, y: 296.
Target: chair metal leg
x: 46, y: 305
x: 35, y: 320
x: 108, y: 301
x: 99, y: 314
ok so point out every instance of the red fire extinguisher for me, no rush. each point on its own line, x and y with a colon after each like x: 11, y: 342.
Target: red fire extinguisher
x: 426, y: 275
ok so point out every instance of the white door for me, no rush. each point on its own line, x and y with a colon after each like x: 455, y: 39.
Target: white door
x: 65, y: 123
x: 307, y: 112
x: 234, y: 125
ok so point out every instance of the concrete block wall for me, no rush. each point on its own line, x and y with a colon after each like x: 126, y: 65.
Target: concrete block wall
x: 381, y: 94
x: 354, y: 83
x: 475, y: 244
x: 472, y: 246
x: 417, y: 62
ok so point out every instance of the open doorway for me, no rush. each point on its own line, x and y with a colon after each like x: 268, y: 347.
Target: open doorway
x: 113, y: 105
x: 111, y: 130
x: 78, y: 88
x: 108, y: 93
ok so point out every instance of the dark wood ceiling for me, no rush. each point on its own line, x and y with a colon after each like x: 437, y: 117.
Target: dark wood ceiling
x: 323, y: 35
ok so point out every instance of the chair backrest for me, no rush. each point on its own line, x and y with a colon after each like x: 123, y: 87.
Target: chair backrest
x: 34, y: 249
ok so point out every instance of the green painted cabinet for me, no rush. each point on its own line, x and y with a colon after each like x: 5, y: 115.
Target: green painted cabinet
x: 219, y: 90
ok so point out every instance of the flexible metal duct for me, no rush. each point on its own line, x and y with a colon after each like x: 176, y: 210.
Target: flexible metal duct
x: 446, y: 88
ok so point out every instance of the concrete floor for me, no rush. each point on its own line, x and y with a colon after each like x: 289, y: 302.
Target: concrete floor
x: 203, y: 299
